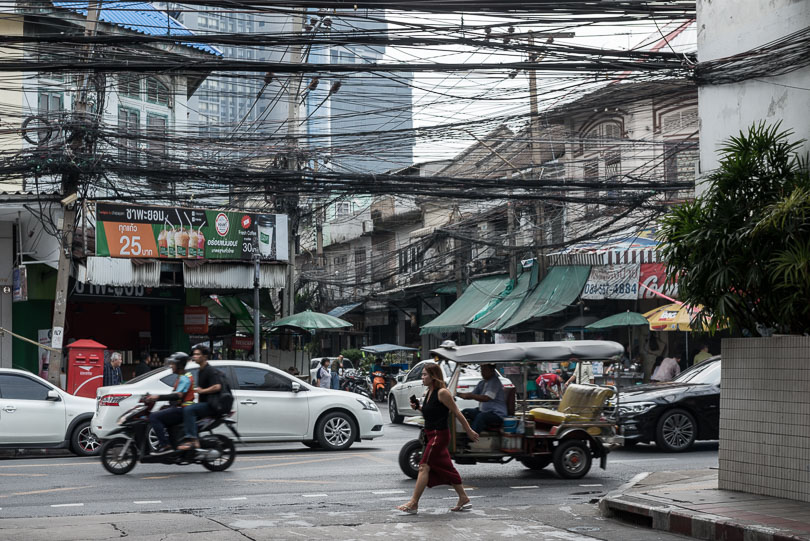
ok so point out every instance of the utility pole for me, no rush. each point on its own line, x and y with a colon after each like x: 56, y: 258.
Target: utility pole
x: 70, y: 186
x: 536, y: 158
x: 257, y: 327
x: 293, y: 89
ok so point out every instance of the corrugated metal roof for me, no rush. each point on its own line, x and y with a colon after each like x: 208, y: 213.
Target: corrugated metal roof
x: 341, y: 310
x: 232, y: 276
x: 108, y: 271
x: 140, y: 17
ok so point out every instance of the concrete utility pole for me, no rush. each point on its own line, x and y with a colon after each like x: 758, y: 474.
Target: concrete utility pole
x: 257, y: 326
x: 70, y: 186
x: 536, y: 158
x: 293, y: 90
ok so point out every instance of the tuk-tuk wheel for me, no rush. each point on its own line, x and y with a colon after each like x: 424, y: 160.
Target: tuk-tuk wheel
x: 535, y: 462
x: 409, y: 457
x: 572, y: 459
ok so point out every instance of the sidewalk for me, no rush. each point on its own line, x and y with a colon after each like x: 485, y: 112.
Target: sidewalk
x: 689, y: 503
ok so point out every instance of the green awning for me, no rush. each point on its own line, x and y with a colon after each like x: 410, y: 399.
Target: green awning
x: 448, y: 289
x: 558, y: 290
x: 476, y: 297
x: 236, y: 307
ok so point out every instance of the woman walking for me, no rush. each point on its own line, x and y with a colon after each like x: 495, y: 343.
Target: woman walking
x: 436, y: 468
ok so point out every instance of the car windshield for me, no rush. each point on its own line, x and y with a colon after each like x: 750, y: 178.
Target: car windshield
x: 702, y: 374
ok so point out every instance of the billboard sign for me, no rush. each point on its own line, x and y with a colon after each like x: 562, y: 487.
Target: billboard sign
x: 134, y: 231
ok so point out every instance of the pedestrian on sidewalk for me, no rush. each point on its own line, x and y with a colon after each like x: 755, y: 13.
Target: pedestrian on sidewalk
x: 143, y: 366
x: 112, y: 370
x: 436, y: 468
x: 323, y: 378
x: 703, y: 354
x: 337, y: 371
x: 667, y: 370
x: 583, y: 373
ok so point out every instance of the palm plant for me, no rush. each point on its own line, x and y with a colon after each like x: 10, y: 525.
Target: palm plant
x: 742, y: 249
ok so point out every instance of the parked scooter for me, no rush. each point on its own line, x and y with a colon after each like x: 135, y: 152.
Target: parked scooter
x: 129, y: 443
x: 381, y: 384
x: 355, y: 382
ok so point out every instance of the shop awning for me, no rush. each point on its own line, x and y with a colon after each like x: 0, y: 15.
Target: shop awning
x: 381, y: 349
x: 558, y: 290
x: 500, y: 310
x: 339, y: 311
x: 109, y: 271
x: 448, y: 289
x: 476, y: 297
x: 635, y: 248
x: 232, y: 276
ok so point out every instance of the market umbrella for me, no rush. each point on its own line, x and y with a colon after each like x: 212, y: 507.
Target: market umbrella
x: 625, y: 319
x: 673, y: 317
x: 311, y: 321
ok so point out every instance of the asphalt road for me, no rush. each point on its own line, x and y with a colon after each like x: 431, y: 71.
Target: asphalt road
x: 316, y: 487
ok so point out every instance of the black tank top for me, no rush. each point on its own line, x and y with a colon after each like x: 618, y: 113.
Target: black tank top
x: 434, y: 412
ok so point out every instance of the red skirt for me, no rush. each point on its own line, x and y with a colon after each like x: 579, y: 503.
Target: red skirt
x: 437, y: 457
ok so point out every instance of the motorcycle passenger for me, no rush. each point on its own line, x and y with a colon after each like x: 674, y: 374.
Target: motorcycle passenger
x: 182, y: 395
x: 209, y: 386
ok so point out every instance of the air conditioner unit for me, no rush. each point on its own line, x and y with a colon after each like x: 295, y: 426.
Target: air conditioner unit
x: 368, y: 226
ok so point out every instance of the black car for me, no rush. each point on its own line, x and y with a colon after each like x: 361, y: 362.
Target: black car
x: 673, y: 414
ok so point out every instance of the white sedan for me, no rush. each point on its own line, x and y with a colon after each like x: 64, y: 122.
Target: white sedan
x: 34, y: 413
x: 270, y: 406
x: 399, y: 403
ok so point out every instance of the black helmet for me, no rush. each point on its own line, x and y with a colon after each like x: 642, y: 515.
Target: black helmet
x: 179, y: 358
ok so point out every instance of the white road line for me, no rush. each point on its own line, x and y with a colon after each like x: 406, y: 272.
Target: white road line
x: 594, y: 485
x: 233, y: 499
x: 315, y: 495
x: 466, y: 489
x: 378, y: 492
x: 146, y: 502
x: 526, y: 486
x: 454, y: 497
x: 67, y: 505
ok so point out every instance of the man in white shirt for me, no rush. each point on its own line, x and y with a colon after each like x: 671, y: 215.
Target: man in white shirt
x: 583, y: 373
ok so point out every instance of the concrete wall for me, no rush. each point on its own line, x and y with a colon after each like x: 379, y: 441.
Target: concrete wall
x: 765, y: 415
x: 729, y: 27
x: 10, y: 96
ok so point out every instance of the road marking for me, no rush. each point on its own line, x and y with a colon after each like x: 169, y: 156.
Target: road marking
x: 46, y: 491
x: 146, y: 502
x: 14, y: 466
x: 315, y: 495
x: 299, y: 481
x: 388, y: 492
x: 296, y: 463
x: 594, y: 485
x: 454, y: 498
x: 68, y: 505
x: 159, y: 477
x: 233, y: 499
x: 465, y: 488
x: 524, y: 486
x: 23, y: 475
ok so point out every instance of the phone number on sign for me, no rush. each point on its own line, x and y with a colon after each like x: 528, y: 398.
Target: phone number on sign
x: 611, y: 289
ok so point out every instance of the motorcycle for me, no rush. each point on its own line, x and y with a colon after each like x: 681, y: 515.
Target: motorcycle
x: 129, y: 443
x: 355, y: 382
x: 381, y: 384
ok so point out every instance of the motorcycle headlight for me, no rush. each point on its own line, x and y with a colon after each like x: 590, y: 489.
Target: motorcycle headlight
x: 367, y: 404
x: 635, y: 408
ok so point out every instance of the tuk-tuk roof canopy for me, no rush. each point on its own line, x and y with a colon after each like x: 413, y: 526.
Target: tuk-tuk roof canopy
x: 531, y: 351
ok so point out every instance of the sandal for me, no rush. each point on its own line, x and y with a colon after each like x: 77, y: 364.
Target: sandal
x: 188, y: 446
x: 408, y: 510
x: 463, y: 507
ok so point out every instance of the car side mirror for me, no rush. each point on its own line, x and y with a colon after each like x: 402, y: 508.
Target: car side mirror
x: 296, y: 387
x: 53, y: 396
x: 401, y: 378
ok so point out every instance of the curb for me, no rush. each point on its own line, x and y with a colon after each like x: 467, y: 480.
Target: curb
x: 684, y: 522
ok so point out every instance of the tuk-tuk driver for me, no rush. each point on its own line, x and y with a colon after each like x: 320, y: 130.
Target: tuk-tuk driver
x: 489, y: 392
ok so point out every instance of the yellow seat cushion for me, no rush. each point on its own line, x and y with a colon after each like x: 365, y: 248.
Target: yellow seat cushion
x: 579, y: 403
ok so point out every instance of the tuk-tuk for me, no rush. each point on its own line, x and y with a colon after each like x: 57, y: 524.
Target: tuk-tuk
x: 569, y: 432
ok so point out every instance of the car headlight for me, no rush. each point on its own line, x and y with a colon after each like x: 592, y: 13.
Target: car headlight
x: 367, y: 404
x: 636, y: 408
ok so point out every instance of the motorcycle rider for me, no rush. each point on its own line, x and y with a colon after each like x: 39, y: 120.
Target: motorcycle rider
x: 209, y: 385
x: 182, y: 395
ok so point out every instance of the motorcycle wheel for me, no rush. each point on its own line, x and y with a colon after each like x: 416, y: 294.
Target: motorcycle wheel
x: 409, y: 457
x: 112, y: 459
x: 379, y: 395
x: 222, y: 444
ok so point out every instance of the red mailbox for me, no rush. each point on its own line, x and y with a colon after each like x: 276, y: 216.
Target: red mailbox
x: 85, y: 367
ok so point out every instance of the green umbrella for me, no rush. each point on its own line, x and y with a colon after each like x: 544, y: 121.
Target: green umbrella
x: 311, y: 321
x: 625, y: 319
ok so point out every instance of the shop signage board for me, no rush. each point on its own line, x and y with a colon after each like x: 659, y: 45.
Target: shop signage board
x: 612, y: 282
x: 134, y: 231
x: 20, y: 284
x: 195, y: 319
x: 653, y: 277
x: 244, y: 343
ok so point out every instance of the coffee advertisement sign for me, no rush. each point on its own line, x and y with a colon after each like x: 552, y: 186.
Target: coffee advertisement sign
x: 134, y: 231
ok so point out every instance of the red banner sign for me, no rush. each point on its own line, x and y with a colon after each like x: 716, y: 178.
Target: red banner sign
x: 653, y: 277
x: 195, y: 319
x: 242, y: 342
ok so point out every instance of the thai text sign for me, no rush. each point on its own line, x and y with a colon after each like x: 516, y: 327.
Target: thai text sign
x: 195, y: 319
x: 132, y: 231
x: 612, y: 282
